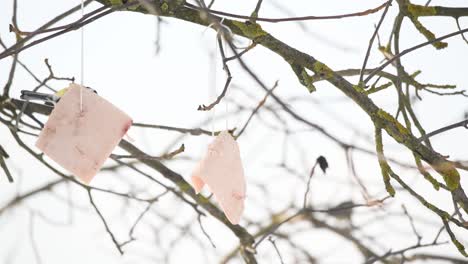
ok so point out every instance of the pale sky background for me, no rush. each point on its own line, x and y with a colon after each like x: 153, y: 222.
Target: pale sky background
x: 166, y: 89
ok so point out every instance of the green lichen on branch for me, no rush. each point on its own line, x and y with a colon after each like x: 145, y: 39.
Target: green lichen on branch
x: 164, y: 7
x: 384, y: 119
x: 322, y: 70
x: 359, y: 87
x: 439, y: 86
x: 308, y: 81
x: 116, y: 2
x: 428, y: 34
x: 453, y: 238
x: 413, y: 12
x: 184, y: 186
x: 170, y: 7
x: 132, y: 5
x: 250, y: 30
x: 304, y: 77
x: 425, y: 173
x: 459, y: 246
x: 449, y: 173
x: 446, y: 169
x: 375, y: 89
x: 419, y: 10
x: 446, y: 217
x: 384, y: 167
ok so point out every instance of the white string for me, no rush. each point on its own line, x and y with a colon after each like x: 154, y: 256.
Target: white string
x: 212, y: 122
x: 227, y: 118
x: 226, y: 95
x: 213, y: 88
x: 82, y: 58
x: 213, y: 113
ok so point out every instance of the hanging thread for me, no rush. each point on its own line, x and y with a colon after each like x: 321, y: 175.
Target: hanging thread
x: 214, y: 77
x: 227, y: 117
x: 82, y: 58
x: 225, y: 96
x: 213, y: 89
x: 218, y: 32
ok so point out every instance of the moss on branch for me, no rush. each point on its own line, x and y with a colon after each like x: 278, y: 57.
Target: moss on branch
x: 250, y: 30
x: 384, y: 167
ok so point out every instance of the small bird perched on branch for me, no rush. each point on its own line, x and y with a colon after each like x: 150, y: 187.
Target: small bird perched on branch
x: 49, y: 99
x: 343, y: 210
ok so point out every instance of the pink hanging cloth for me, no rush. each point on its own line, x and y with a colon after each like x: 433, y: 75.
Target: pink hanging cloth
x: 221, y: 169
x: 81, y: 141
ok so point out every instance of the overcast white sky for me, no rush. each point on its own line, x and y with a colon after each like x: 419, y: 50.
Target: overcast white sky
x: 166, y: 89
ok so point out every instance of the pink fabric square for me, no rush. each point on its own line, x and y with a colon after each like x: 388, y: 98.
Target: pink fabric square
x: 81, y: 141
x: 221, y: 169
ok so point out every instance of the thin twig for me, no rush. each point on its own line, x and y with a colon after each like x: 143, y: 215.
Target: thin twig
x: 117, y: 245
x: 15, y: 49
x: 140, y: 217
x: 248, y: 48
x: 406, y: 51
x: 272, y: 241
x: 228, y: 79
x: 204, y: 231
x: 11, y: 50
x: 289, y: 19
x: 307, y: 210
x: 260, y: 104
x: 402, y: 251
x: 34, y: 245
x: 166, y: 156
x: 459, y: 28
x: 371, y: 41
x: 306, y: 193
x: 5, y: 169
x: 413, y: 227
x: 191, y: 131
x: 254, y: 15
x: 463, y: 123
